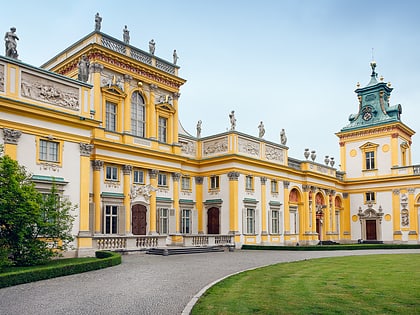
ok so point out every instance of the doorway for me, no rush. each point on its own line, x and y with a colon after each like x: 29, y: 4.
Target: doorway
x: 139, y: 221
x: 213, y: 221
x: 371, y: 230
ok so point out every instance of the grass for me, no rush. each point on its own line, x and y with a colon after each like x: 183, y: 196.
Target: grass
x: 372, y: 284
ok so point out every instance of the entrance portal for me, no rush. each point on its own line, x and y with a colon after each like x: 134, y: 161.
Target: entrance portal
x: 139, y: 221
x: 213, y: 221
x: 370, y: 229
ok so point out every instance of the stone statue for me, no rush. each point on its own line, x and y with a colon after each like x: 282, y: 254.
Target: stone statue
x: 232, y: 120
x: 83, y: 67
x: 199, y: 129
x: 98, y: 21
x: 175, y: 55
x: 126, y: 35
x: 283, y: 138
x: 261, y: 130
x: 11, y: 44
x: 152, y: 46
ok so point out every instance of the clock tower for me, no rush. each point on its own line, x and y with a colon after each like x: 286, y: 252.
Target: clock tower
x: 375, y: 142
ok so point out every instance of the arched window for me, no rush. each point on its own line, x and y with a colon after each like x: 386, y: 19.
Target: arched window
x: 138, y: 115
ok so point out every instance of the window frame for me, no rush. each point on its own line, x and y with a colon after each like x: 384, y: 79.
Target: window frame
x: 186, y: 221
x: 111, y: 118
x: 214, y: 182
x: 138, y: 110
x: 113, y: 219
x: 274, y: 186
x: 163, y: 221
x: 275, y: 222
x: 250, y: 220
x: 113, y: 174
x: 186, y: 183
x: 162, y: 177
x: 249, y: 183
x: 138, y: 171
x: 370, y: 197
x: 163, y: 129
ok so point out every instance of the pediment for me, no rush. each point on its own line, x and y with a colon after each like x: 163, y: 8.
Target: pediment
x: 114, y: 90
x: 369, y: 145
x: 166, y: 107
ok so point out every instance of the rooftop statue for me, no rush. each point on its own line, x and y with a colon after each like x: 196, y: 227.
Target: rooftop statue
x: 261, y: 130
x: 175, y: 55
x: 199, y: 129
x: 283, y: 138
x: 98, y: 21
x: 152, y: 46
x: 11, y: 44
x: 126, y: 35
x: 232, y: 120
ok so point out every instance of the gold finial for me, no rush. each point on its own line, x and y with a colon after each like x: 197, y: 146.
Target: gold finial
x: 389, y: 84
x: 358, y: 84
x: 381, y: 78
x: 139, y: 84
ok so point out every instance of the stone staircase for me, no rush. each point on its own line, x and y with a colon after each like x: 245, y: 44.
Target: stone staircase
x: 184, y: 250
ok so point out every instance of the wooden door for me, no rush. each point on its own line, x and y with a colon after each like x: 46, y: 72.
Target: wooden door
x: 318, y: 228
x: 213, y: 224
x: 370, y: 229
x: 139, y: 221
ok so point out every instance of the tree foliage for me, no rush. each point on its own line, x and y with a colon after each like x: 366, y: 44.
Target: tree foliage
x: 33, y: 228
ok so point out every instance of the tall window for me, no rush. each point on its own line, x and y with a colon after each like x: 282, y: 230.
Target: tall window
x: 185, y: 183
x: 162, y: 180
x: 275, y: 222
x: 163, y: 221
x: 163, y: 126
x: 138, y: 177
x: 138, y: 112
x: 249, y: 183
x: 370, y: 160
x: 294, y: 220
x: 214, y: 182
x: 111, y: 219
x: 111, y: 173
x: 274, y: 186
x: 250, y: 221
x: 186, y: 221
x: 111, y: 117
x: 48, y: 151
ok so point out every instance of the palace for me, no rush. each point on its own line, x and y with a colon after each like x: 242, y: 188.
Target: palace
x: 100, y: 120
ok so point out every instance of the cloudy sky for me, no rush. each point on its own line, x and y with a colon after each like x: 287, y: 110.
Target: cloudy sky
x: 291, y: 64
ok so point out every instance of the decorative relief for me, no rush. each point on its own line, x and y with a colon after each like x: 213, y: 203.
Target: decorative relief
x: 11, y: 136
x: 85, y: 149
x: 112, y: 184
x: 47, y: 166
x: 274, y: 154
x: 405, y: 220
x: 143, y: 191
x: 249, y: 147
x: 215, y: 146
x: 1, y: 78
x: 187, y: 147
x: 51, y: 92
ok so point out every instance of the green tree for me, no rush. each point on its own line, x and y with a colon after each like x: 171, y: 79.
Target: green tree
x: 29, y: 223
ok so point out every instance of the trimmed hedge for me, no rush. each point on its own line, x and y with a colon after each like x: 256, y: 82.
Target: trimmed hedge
x: 333, y: 247
x: 36, y: 273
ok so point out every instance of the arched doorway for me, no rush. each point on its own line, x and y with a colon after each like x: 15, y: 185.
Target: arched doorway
x: 139, y: 222
x: 213, y: 221
x: 319, y: 206
x: 370, y: 220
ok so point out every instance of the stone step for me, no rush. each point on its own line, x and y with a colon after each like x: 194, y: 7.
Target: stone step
x: 183, y: 250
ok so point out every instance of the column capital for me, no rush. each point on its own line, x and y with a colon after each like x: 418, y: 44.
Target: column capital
x: 396, y: 191
x: 128, y: 77
x: 176, y: 176
x: 263, y: 180
x: 176, y: 95
x: 127, y: 169
x: 286, y: 184
x: 199, y: 180
x: 11, y: 136
x: 97, y: 165
x: 153, y: 87
x: 85, y: 149
x: 153, y: 173
x: 305, y: 188
x: 96, y: 67
x: 233, y: 175
x: 345, y: 195
x: 411, y: 191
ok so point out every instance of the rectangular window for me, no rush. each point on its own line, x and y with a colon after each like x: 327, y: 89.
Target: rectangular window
x: 111, y: 117
x: 274, y: 186
x: 163, y: 125
x: 111, y: 220
x: 294, y: 221
x: 214, y: 182
x: 163, y: 221
x: 249, y: 183
x: 137, y: 119
x: 275, y: 222
x: 370, y: 196
x: 370, y: 160
x: 186, y: 222
x: 185, y: 183
x: 250, y: 221
x: 111, y: 173
x: 138, y: 177
x: 162, y: 180
x: 48, y: 151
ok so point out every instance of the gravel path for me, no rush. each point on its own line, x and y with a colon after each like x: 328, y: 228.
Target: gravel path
x: 144, y: 284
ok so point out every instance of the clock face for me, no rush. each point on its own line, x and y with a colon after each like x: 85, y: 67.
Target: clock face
x: 367, y: 116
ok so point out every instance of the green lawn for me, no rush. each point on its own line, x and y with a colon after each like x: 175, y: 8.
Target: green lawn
x: 372, y: 284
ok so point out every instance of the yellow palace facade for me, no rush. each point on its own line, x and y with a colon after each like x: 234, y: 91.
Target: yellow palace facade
x: 100, y: 120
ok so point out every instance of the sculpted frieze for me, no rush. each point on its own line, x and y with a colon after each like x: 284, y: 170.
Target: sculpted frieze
x: 187, y: 147
x: 215, y: 146
x: 48, y: 91
x: 248, y: 146
x: 1, y: 78
x: 274, y: 154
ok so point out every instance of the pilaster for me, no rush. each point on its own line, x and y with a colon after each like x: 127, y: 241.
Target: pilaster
x: 97, y: 166
x: 199, y: 202
x: 286, y: 211
x: 127, y: 170
x: 233, y: 202
x: 84, y: 224
x: 11, y: 138
x: 175, y: 179
x: 152, y: 220
x: 264, y: 234
x: 396, y: 215
x: 414, y: 222
x: 151, y: 113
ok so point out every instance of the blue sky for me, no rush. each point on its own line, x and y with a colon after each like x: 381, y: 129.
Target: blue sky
x: 291, y: 64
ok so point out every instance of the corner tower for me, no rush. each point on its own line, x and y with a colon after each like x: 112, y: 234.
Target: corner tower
x: 375, y: 142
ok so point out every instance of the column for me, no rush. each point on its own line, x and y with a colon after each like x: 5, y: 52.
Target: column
x: 199, y: 202
x: 233, y: 203
x: 152, y: 219
x: 176, y: 96
x: 313, y: 210
x: 394, y: 150
x: 84, y: 219
x: 11, y: 138
x: 97, y: 167
x: 413, y: 220
x: 127, y: 104
x: 332, y: 207
x: 306, y: 211
x: 96, y: 111
x: 346, y: 217
x: 396, y: 215
x: 286, y: 211
x: 264, y: 234
x: 151, y: 114
x: 175, y: 179
x: 327, y: 217
x: 127, y: 170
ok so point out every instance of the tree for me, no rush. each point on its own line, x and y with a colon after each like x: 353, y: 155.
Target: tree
x: 29, y: 223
